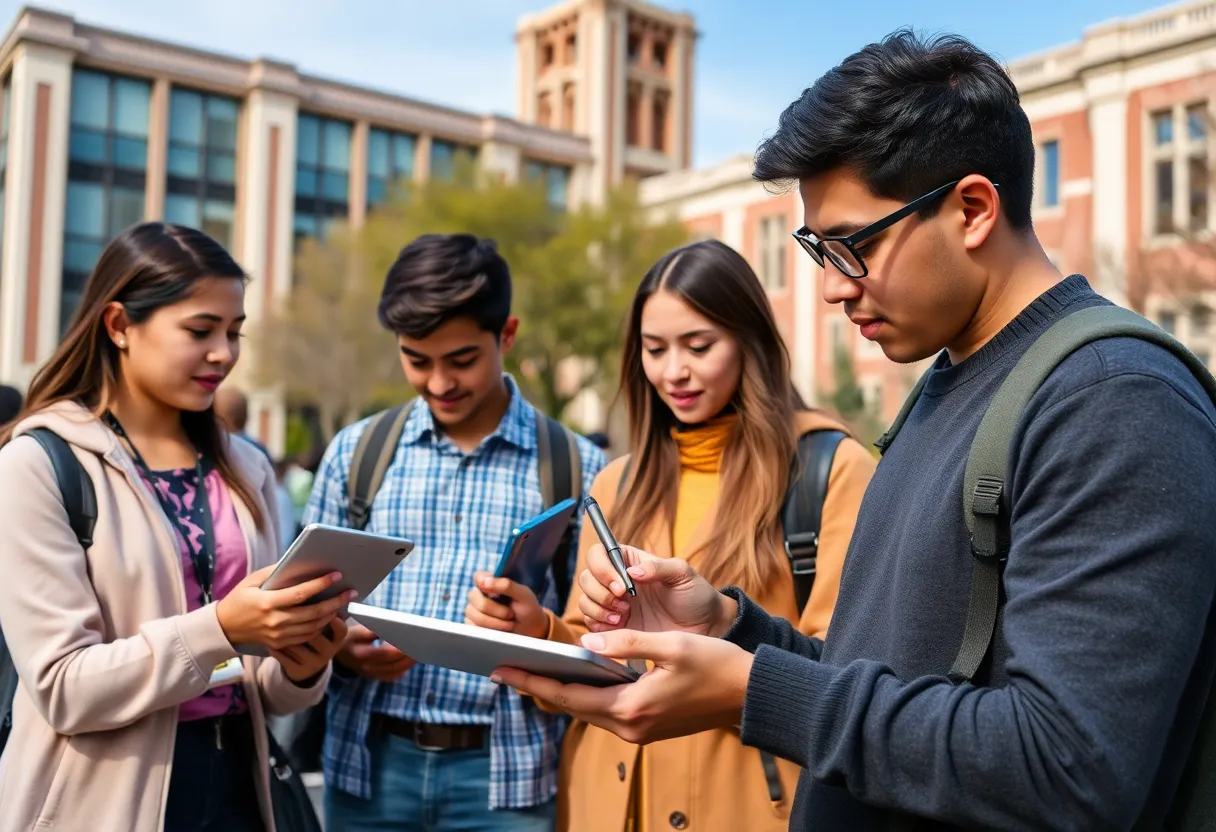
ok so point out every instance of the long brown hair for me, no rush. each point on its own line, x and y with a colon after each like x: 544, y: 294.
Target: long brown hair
x: 715, y: 281
x: 145, y: 268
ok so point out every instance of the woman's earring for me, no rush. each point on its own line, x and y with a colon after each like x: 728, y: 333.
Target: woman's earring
x: 122, y: 343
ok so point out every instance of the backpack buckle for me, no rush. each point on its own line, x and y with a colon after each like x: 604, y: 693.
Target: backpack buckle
x: 359, y: 510
x: 986, y: 509
x: 803, y: 551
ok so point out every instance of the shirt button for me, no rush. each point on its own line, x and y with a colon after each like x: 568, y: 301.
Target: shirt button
x: 678, y: 820
x: 456, y: 518
x: 447, y: 596
x: 620, y: 771
x: 430, y: 700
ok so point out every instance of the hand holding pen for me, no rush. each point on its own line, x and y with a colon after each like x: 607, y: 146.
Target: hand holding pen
x: 610, y: 545
x: 627, y: 588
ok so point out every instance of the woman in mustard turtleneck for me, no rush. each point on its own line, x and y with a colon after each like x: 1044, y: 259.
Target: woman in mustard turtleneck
x: 714, y: 425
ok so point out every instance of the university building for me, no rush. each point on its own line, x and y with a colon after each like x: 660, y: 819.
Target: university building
x: 100, y: 129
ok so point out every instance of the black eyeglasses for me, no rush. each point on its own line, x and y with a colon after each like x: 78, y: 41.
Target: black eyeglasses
x: 842, y: 251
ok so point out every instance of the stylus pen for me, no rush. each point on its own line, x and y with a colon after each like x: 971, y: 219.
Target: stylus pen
x: 613, y: 548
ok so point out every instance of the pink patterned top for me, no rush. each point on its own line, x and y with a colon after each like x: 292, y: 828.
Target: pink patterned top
x: 179, y: 488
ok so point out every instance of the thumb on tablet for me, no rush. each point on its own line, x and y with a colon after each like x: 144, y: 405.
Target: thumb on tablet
x: 505, y: 586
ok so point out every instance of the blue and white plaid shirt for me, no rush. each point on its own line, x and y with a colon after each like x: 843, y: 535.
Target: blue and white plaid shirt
x: 459, y: 510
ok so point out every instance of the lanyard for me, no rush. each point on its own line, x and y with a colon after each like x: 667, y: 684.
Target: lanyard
x: 204, y: 563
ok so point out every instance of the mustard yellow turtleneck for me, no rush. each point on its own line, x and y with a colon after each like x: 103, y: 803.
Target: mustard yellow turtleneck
x: 700, y: 459
x: 700, y: 450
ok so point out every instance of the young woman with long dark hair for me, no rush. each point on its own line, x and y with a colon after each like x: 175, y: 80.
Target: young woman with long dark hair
x: 133, y: 711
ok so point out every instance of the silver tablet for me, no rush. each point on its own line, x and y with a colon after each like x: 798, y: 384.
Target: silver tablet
x: 480, y: 651
x: 364, y: 559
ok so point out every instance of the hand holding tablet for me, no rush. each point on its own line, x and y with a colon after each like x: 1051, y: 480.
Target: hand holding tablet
x: 480, y: 651
x: 360, y: 559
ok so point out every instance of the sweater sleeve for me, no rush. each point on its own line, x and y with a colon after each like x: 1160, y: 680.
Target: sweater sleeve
x: 754, y: 628
x: 1109, y: 584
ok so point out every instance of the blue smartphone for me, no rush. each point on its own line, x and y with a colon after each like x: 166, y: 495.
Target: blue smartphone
x: 531, y: 547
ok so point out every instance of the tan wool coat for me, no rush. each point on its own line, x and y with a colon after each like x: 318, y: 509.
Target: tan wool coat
x: 709, y: 781
x: 103, y: 645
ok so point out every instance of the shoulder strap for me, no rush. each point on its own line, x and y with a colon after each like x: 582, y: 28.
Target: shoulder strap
x: 887, y: 438
x: 560, y: 469
x: 80, y: 502
x: 79, y: 498
x: 985, y: 496
x: 371, y: 459
x: 802, y: 514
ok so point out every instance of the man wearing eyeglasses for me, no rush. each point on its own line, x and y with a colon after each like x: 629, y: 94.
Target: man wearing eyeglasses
x: 915, y: 163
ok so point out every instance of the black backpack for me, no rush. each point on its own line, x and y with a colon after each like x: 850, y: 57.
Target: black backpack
x: 986, y: 512
x: 80, y: 501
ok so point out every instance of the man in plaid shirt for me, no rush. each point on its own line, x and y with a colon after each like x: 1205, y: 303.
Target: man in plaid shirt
x: 415, y: 746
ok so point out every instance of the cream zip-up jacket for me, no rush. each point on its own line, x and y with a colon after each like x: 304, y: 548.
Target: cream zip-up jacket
x: 102, y: 642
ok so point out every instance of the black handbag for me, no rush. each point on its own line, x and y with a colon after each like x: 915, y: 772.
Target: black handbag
x: 289, y: 800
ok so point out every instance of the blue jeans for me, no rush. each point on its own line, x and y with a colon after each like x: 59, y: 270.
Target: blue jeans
x: 428, y: 791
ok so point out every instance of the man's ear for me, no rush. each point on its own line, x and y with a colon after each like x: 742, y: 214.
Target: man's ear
x: 981, y: 202
x: 507, y: 338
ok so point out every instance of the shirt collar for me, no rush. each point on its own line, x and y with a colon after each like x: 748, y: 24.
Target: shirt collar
x: 517, y: 427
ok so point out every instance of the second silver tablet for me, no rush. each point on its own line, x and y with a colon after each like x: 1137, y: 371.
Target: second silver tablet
x: 364, y: 559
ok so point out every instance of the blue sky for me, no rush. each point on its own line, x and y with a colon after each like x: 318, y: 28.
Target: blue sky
x: 754, y: 56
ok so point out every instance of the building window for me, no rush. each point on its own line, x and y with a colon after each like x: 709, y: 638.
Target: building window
x: 107, y: 172
x: 1198, y: 174
x: 448, y: 157
x: 1181, y: 175
x: 1164, y: 206
x: 658, y: 124
x: 1198, y: 183
x: 1168, y: 321
x: 1051, y: 174
x: 1200, y: 319
x: 1197, y: 122
x: 544, y: 110
x: 200, y: 190
x: 390, y: 161
x: 836, y: 332
x: 556, y: 179
x: 633, y: 116
x: 772, y: 253
x: 568, y: 107
x: 660, y: 55
x: 571, y: 49
x: 1163, y: 128
x: 322, y: 174
x: 633, y: 48
x: 546, y: 56
x: 871, y: 394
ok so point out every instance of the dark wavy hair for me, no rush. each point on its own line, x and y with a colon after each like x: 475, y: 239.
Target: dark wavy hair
x: 439, y: 277
x: 907, y: 115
